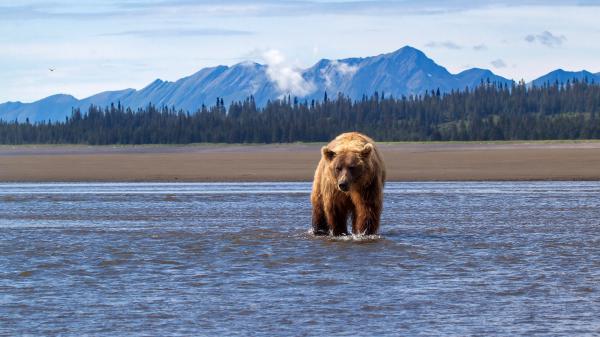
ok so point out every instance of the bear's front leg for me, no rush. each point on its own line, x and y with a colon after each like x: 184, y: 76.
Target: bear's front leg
x: 365, y: 220
x: 366, y: 223
x: 336, y: 219
x: 319, y: 222
x: 340, y: 227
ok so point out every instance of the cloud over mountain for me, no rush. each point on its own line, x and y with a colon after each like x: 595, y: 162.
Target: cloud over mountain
x: 288, y: 79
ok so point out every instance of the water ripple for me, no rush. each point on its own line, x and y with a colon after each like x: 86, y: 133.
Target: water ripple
x: 452, y: 258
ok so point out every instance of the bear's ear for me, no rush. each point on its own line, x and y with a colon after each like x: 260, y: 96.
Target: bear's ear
x: 366, y: 151
x: 327, y: 153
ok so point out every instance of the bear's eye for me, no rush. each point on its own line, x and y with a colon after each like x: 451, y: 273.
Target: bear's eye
x: 338, y: 168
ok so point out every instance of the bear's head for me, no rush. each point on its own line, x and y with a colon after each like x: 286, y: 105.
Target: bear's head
x: 348, y: 167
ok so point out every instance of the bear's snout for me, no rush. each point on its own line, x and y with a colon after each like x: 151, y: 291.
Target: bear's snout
x: 343, y: 186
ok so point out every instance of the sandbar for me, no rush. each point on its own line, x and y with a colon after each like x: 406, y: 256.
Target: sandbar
x: 463, y: 161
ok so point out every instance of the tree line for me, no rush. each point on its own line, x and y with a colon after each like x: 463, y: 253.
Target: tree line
x: 490, y: 111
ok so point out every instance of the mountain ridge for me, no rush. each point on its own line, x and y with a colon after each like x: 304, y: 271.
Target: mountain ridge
x: 406, y: 71
x: 562, y: 76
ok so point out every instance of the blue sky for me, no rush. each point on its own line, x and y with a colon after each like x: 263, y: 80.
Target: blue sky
x: 108, y: 45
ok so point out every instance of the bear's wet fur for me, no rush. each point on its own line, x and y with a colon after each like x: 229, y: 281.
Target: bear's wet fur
x: 348, y: 183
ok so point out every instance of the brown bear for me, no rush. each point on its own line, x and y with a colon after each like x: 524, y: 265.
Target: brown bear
x: 348, y: 182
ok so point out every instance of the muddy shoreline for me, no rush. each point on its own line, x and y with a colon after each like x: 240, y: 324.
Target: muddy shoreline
x: 296, y: 162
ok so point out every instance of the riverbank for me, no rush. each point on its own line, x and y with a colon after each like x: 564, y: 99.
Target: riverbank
x: 559, y: 160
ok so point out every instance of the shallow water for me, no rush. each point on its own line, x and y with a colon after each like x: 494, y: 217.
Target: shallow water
x: 237, y: 259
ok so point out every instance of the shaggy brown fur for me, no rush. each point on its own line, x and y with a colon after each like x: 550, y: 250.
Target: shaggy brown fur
x: 348, y: 182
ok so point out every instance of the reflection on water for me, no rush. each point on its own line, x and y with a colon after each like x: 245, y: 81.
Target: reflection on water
x: 237, y: 259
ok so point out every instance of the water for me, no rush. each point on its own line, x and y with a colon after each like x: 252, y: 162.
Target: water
x: 237, y: 259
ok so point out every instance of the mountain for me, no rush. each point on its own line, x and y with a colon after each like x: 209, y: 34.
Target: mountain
x: 473, y: 77
x: 54, y: 107
x: 403, y: 72
x: 562, y: 76
x: 189, y: 93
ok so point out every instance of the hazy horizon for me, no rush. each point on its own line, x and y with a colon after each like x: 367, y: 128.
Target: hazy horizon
x: 110, y: 45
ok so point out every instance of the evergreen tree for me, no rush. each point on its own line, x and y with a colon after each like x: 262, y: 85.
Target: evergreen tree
x: 488, y: 112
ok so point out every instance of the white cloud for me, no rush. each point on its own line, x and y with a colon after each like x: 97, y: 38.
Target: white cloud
x: 180, y: 32
x: 546, y: 38
x: 315, y: 51
x: 337, y: 69
x: 444, y: 44
x: 288, y: 79
x: 344, y: 68
x: 498, y: 63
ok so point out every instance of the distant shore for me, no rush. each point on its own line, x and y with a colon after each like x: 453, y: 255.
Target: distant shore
x: 436, y: 161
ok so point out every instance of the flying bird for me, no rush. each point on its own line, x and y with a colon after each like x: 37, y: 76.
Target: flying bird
x: 51, y: 69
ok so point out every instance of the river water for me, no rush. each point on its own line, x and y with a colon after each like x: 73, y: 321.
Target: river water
x: 237, y: 259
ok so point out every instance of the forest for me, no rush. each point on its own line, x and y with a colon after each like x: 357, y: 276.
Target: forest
x: 487, y: 112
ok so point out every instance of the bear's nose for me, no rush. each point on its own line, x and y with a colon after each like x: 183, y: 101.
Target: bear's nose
x: 343, y: 186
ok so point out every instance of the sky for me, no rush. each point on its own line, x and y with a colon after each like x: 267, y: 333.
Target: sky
x: 98, y: 45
